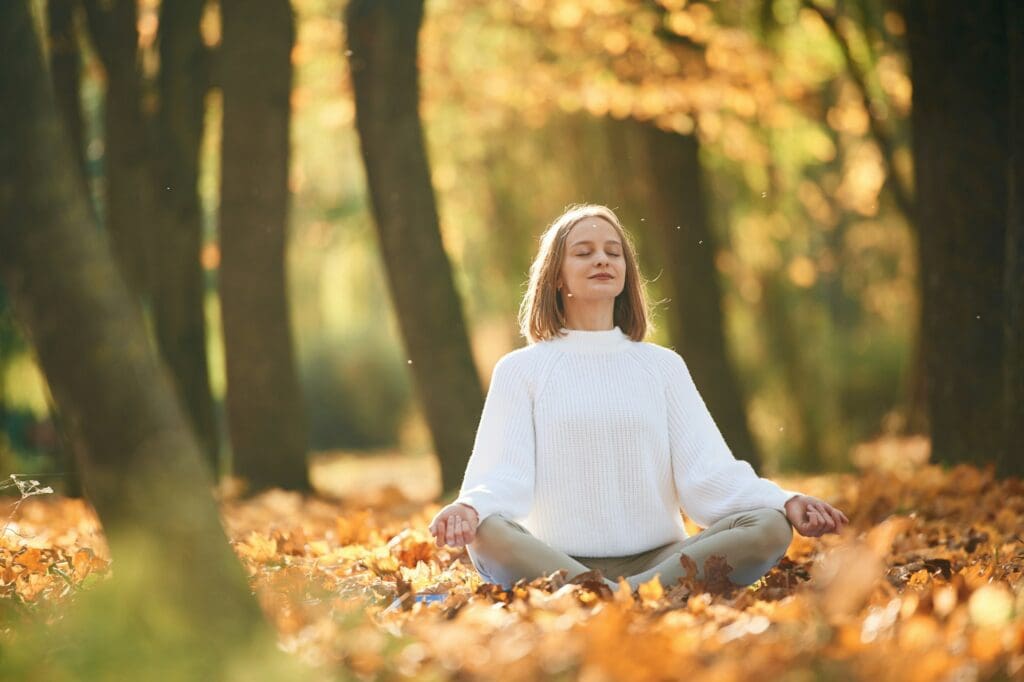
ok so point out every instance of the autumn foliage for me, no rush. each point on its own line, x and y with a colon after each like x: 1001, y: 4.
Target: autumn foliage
x: 926, y: 582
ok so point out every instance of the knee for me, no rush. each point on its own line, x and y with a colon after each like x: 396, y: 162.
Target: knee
x: 492, y: 534
x: 774, y: 533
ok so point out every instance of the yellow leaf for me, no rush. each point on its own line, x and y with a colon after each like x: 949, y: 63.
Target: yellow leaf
x: 651, y: 591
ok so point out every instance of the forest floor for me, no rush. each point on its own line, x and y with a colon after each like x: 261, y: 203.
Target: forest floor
x: 924, y: 584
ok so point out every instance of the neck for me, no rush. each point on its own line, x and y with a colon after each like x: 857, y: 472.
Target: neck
x: 590, y: 317
x: 591, y: 341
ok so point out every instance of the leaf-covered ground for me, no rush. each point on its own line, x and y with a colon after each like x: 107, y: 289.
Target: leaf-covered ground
x: 924, y: 584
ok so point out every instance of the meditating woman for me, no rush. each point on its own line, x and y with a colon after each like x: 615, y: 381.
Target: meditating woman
x: 591, y: 440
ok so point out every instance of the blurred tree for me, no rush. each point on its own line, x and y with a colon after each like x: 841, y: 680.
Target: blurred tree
x: 1013, y: 391
x: 130, y: 196
x: 65, y: 68
x: 864, y: 23
x: 667, y: 166
x: 266, y: 415
x: 960, y: 61
x: 654, y: 179
x: 383, y: 38
x: 141, y: 465
x: 179, y: 287
x: 151, y: 205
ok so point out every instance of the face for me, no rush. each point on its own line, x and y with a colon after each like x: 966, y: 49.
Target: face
x: 593, y: 266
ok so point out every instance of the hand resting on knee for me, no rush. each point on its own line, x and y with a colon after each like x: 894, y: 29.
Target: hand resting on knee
x: 455, y: 525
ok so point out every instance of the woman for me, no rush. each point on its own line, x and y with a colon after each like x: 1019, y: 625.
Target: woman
x: 591, y: 440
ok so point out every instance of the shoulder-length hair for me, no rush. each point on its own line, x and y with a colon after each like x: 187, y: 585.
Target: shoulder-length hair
x: 542, y: 311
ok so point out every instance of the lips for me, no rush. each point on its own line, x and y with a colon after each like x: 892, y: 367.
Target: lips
x: 602, y: 276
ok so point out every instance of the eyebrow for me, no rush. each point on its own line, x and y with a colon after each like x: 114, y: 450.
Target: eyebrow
x: 587, y: 241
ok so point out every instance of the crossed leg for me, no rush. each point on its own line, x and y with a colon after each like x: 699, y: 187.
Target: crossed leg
x: 503, y: 551
x: 751, y: 542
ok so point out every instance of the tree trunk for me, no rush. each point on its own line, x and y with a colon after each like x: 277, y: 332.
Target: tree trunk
x: 383, y: 37
x: 65, y: 65
x: 130, y: 197
x: 656, y: 181
x: 1012, y: 461
x: 140, y: 463
x: 960, y: 117
x: 179, y: 292
x: 65, y: 68
x: 265, y: 411
x: 678, y: 224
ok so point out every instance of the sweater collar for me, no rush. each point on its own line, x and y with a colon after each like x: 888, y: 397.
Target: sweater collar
x: 584, y: 341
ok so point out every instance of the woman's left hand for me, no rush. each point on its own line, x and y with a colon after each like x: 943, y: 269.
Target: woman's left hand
x: 813, y: 517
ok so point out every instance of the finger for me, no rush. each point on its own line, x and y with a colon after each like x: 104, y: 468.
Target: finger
x: 838, y: 517
x: 450, y: 532
x: 441, y: 529
x: 460, y: 529
x: 828, y: 523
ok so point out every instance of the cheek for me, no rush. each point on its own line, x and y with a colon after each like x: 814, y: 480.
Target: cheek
x: 573, y: 270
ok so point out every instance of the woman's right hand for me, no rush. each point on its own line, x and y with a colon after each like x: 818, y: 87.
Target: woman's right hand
x: 455, y: 525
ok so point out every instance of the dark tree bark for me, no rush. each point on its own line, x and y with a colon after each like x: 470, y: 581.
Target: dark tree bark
x: 383, y: 39
x: 960, y: 118
x: 686, y: 248
x: 130, y: 198
x: 179, y: 291
x: 1012, y: 460
x: 266, y: 417
x: 141, y: 464
x: 65, y: 67
x: 152, y: 207
x: 65, y: 70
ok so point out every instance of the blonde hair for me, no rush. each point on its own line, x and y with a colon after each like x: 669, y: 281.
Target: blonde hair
x: 542, y: 311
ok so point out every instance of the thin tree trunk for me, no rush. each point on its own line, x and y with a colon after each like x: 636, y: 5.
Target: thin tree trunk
x: 1012, y: 461
x: 179, y: 292
x: 140, y: 462
x: 130, y: 199
x: 65, y: 67
x: 678, y: 224
x: 383, y: 37
x: 960, y: 119
x: 266, y: 418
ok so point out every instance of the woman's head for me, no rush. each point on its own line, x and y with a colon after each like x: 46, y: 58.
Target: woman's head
x: 586, y: 240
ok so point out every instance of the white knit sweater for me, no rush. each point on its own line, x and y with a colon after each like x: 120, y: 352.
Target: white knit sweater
x: 594, y: 442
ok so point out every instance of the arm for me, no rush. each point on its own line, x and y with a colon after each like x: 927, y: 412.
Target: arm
x: 499, y: 475
x: 710, y: 482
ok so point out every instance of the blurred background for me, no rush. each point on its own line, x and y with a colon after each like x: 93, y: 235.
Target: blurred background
x: 759, y: 153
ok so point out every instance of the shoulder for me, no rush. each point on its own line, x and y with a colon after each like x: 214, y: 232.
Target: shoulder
x: 527, y: 366
x: 521, y: 359
x: 520, y: 364
x: 666, y: 359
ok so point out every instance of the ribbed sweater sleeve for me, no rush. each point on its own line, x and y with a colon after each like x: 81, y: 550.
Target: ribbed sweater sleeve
x: 710, y: 481
x: 500, y: 474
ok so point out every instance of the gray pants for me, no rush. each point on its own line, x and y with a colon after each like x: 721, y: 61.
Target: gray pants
x: 503, y: 552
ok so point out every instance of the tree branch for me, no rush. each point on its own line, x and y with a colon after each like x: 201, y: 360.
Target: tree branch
x: 900, y: 191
